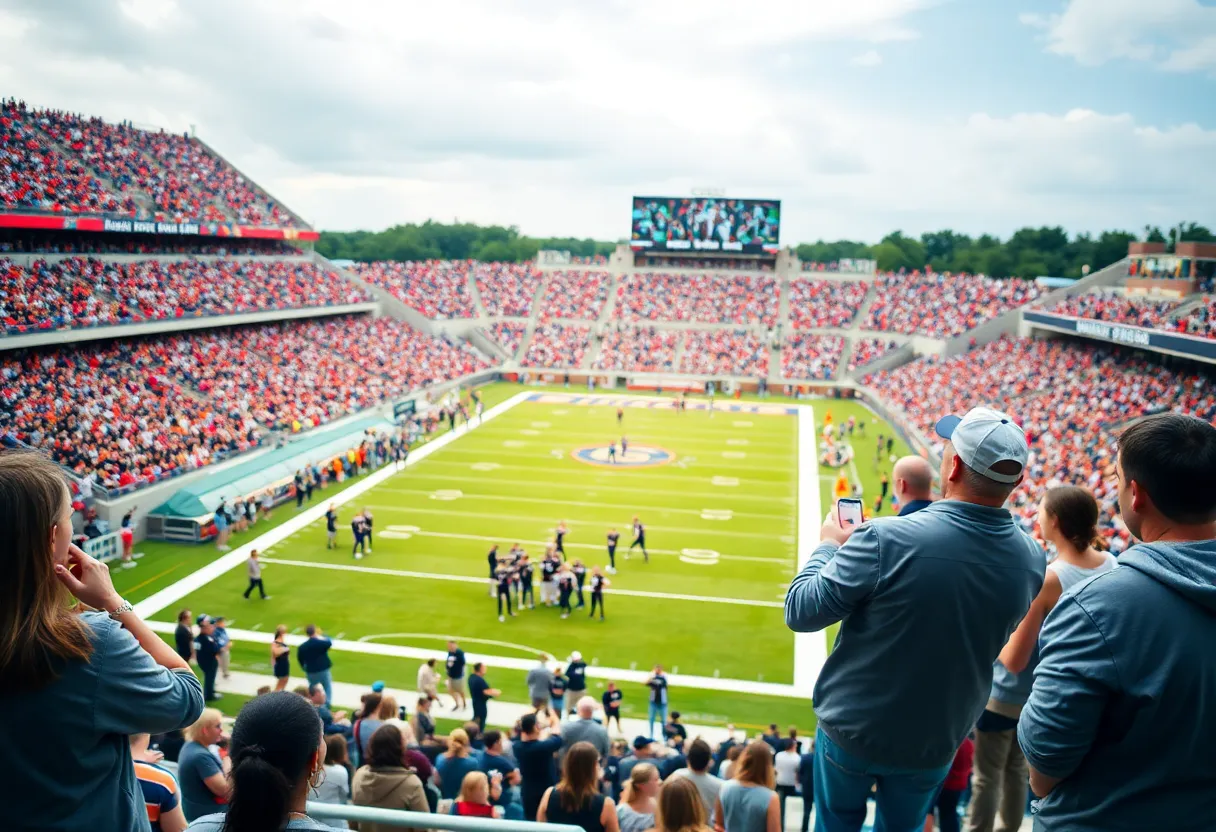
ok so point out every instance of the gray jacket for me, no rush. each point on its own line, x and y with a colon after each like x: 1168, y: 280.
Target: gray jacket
x: 585, y: 730
x: 538, y: 681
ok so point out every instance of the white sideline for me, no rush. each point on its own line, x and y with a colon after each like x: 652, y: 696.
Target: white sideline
x: 616, y: 674
x: 810, y: 649
x: 469, y: 579
x: 175, y: 592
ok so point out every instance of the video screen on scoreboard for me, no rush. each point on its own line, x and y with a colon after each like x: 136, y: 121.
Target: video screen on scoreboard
x: 706, y: 224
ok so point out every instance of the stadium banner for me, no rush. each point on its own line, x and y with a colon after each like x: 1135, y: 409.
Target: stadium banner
x: 1189, y: 345
x: 127, y: 225
x: 705, y: 224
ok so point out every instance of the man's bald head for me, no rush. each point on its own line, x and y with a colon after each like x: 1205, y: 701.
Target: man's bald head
x: 913, y: 479
x: 586, y: 707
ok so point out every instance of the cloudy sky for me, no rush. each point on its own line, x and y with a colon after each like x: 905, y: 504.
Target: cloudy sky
x: 862, y: 116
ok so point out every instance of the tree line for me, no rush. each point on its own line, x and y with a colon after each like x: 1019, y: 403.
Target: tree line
x: 1028, y: 253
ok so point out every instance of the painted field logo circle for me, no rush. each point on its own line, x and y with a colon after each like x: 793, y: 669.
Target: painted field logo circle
x: 639, y: 456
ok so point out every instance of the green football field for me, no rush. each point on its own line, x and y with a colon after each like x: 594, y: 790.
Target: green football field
x: 718, y: 496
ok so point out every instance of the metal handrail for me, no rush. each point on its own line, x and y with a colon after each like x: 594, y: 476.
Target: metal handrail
x: 425, y: 820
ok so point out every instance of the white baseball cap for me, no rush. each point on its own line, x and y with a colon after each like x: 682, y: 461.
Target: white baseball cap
x: 985, y: 437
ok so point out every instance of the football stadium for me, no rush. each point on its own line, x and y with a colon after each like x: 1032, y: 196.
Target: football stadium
x: 455, y: 499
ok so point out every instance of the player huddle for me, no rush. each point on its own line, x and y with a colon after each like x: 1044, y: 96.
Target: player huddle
x: 564, y: 583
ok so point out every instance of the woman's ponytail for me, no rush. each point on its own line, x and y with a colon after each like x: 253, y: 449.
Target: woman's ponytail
x: 261, y: 794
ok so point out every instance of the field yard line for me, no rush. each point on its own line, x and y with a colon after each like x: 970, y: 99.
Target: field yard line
x: 721, y: 498
x: 526, y: 518
x: 597, y: 546
x: 540, y: 445
x: 640, y: 473
x: 617, y: 674
x: 157, y: 601
x: 733, y: 494
x: 810, y: 649
x: 634, y: 436
x: 469, y: 579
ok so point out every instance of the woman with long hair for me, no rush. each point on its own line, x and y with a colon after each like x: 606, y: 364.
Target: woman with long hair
x: 384, y: 782
x: 681, y: 808
x: 453, y: 766
x: 1068, y: 520
x: 335, y: 786
x: 576, y: 799
x: 635, y: 812
x: 280, y: 658
x: 367, y: 722
x: 476, y: 795
x: 278, y: 758
x: 748, y: 803
x: 72, y: 647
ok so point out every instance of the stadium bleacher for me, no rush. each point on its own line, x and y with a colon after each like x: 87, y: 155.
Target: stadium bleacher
x: 437, y: 289
x: 507, y: 334
x: 732, y: 352
x: 1117, y: 308
x: 868, y: 350
x: 638, y: 350
x: 825, y: 303
x: 507, y: 288
x: 943, y: 305
x: 556, y: 345
x: 575, y: 295
x: 1201, y: 320
x: 701, y: 298
x: 807, y: 357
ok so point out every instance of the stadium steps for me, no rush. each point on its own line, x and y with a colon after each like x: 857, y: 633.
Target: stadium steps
x: 475, y: 293
x: 389, y: 304
x: 1188, y: 305
x: 253, y: 184
x: 539, y: 297
x: 681, y: 345
x: 614, y: 280
x: 863, y: 311
x: 843, y: 363
x: 900, y: 355
x: 783, y: 306
x: 485, y: 342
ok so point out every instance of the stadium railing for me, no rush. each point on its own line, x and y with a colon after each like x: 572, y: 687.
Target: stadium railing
x: 425, y: 820
x: 105, y: 548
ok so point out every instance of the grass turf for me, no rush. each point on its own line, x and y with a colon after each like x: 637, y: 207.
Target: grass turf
x: 537, y: 483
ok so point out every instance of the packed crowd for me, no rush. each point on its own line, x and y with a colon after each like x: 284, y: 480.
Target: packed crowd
x: 86, y: 291
x: 589, y: 260
x: 575, y: 295
x: 638, y: 350
x: 1070, y: 398
x: 1201, y: 320
x: 181, y: 177
x: 698, y: 297
x: 868, y: 350
x: 825, y: 303
x: 943, y: 305
x: 20, y: 241
x: 727, y: 352
x: 507, y: 288
x: 1117, y: 308
x: 436, y: 288
x: 557, y: 345
x: 34, y: 175
x: 811, y: 357
x: 508, y: 335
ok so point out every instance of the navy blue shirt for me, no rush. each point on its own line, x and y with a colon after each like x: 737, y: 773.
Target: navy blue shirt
x: 477, y: 692
x: 576, y: 676
x: 205, y: 650
x: 313, y: 654
x: 612, y: 699
x: 455, y: 664
x: 558, y: 686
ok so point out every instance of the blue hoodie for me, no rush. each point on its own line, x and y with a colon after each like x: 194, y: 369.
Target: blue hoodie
x: 926, y: 602
x: 1124, y: 700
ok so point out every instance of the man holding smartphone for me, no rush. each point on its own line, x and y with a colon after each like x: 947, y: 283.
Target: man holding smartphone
x: 925, y: 603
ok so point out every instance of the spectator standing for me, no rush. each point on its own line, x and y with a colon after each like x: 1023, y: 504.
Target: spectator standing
x: 183, y: 636
x: 199, y: 770
x: 254, y: 568
x: 161, y: 795
x: 680, y: 810
x: 428, y: 680
x: 335, y: 785
x: 481, y: 693
x: 953, y: 787
x: 313, y: 656
x: 576, y: 799
x: 455, y: 669
x: 223, y: 642
x: 278, y: 757
x: 585, y: 729
x: 534, y: 751
x: 1119, y: 728
x: 747, y: 802
x: 207, y: 652
x: 658, y: 698
x: 384, y: 782
x: 453, y: 766
x: 538, y: 681
x: 913, y: 484
x: 700, y: 758
x: 221, y: 527
x: 635, y: 812
x: 576, y: 678
x: 280, y: 658
x: 612, y: 705
x: 557, y: 691
x: 1068, y: 519
x: 774, y: 739
x: 967, y: 557
x: 643, y: 752
x: 786, y: 764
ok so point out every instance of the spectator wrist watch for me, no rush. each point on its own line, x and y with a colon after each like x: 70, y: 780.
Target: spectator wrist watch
x: 120, y: 610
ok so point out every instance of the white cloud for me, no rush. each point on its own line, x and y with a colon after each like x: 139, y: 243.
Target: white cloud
x: 1175, y: 35
x: 549, y: 115
x: 867, y: 58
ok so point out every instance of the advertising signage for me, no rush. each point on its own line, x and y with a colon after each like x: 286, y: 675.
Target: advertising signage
x: 1193, y: 346
x: 706, y: 224
x: 127, y: 225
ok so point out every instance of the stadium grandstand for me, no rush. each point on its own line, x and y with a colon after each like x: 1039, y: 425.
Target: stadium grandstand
x: 222, y: 399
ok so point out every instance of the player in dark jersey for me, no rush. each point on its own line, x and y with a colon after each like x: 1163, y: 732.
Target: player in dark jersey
x: 598, y: 583
x: 525, y: 584
x: 504, y: 576
x: 358, y: 528
x: 548, y: 579
x: 492, y: 560
x: 560, y: 536
x: 331, y: 527
x: 613, y: 537
x: 612, y: 452
x: 580, y: 576
x: 565, y: 588
x: 624, y: 447
x: 367, y: 528
x: 612, y: 705
x: 639, y: 539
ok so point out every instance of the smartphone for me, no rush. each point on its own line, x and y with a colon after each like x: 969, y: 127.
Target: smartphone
x: 849, y: 513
